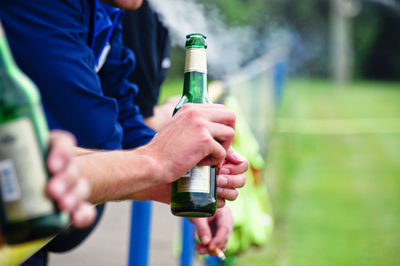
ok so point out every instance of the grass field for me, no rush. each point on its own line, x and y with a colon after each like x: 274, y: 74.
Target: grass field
x: 334, y: 177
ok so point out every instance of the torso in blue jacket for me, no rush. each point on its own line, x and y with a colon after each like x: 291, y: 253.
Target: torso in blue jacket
x: 58, y: 43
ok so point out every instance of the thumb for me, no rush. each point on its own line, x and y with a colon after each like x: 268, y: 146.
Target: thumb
x: 234, y: 157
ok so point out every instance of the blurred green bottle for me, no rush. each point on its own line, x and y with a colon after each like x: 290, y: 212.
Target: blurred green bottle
x: 194, y: 194
x: 26, y: 213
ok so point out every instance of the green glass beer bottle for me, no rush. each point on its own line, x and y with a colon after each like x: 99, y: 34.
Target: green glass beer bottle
x: 194, y: 194
x: 26, y: 213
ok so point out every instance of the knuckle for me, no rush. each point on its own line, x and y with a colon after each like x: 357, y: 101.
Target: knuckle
x: 222, y: 153
x: 231, y: 133
x: 70, y: 137
x: 190, y: 110
x: 220, y: 203
x: 233, y: 194
x: 241, y: 181
x: 66, y: 203
x: 192, y: 115
x: 199, y: 123
x: 73, y: 172
x: 84, y: 188
x: 246, y: 164
x: 205, y: 140
x: 231, y: 117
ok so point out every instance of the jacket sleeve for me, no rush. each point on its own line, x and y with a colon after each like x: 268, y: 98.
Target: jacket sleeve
x: 49, y: 41
x: 114, y: 80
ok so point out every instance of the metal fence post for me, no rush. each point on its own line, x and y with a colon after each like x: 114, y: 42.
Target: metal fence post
x: 213, y: 261
x: 140, y: 233
x: 188, y: 242
x: 279, y: 81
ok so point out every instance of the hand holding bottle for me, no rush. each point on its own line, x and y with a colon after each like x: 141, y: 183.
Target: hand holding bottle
x: 66, y: 186
x: 230, y: 177
x: 190, y: 138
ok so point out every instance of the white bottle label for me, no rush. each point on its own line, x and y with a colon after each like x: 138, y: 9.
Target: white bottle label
x: 22, y: 173
x: 195, y: 180
x: 196, y: 60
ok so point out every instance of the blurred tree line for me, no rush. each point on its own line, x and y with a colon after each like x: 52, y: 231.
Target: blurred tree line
x: 376, y: 32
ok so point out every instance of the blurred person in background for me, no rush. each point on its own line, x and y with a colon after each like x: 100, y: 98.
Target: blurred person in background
x: 146, y: 35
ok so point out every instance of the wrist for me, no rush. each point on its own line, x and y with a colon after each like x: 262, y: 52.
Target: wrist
x: 151, y: 165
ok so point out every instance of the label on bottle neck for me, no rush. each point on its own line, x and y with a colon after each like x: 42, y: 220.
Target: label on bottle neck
x: 195, y: 180
x: 1, y: 30
x: 23, y: 176
x: 196, y: 60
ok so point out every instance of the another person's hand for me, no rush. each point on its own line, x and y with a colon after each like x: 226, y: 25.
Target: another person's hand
x: 214, y: 231
x: 66, y: 186
x: 162, y: 113
x: 230, y: 177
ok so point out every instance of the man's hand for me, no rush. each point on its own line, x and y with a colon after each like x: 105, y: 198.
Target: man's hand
x: 190, y: 139
x: 67, y: 187
x: 230, y: 177
x: 214, y: 231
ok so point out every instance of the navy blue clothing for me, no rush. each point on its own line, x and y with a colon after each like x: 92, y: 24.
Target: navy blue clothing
x: 114, y: 74
x: 49, y: 40
x: 39, y: 259
x: 53, y: 42
x: 147, y: 36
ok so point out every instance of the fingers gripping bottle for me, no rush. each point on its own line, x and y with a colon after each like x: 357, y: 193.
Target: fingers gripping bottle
x: 194, y: 194
x: 26, y: 213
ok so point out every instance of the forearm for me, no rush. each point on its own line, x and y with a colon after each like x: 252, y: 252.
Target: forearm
x: 78, y: 151
x: 119, y: 175
x: 160, y: 193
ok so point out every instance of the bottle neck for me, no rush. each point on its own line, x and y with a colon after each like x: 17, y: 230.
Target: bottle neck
x: 7, y: 62
x: 195, y: 87
x: 195, y: 77
x: 19, y: 89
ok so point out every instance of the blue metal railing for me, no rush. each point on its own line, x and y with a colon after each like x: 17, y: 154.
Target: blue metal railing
x: 188, y: 242
x: 139, y: 242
